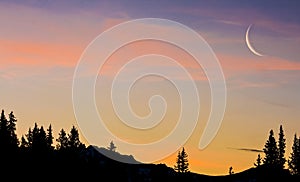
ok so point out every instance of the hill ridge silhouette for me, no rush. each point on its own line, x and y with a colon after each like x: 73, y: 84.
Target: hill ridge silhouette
x: 161, y: 172
x: 94, y: 149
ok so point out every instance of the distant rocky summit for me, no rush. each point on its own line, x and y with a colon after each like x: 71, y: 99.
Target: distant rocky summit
x: 101, y: 153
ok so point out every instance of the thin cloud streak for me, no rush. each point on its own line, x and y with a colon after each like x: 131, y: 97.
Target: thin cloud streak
x: 247, y: 149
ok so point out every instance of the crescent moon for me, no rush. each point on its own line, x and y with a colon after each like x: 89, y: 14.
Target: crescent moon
x: 251, y: 48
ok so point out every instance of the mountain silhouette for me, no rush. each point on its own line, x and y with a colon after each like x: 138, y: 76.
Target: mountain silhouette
x: 98, y: 158
x: 103, y: 153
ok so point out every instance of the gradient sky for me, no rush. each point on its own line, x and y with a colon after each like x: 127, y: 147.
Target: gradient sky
x: 42, y: 41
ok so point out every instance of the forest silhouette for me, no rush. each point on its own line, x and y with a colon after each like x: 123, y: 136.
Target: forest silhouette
x: 34, y: 157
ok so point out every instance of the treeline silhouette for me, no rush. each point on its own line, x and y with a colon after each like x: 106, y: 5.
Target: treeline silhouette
x: 273, y: 165
x: 33, y: 157
x: 34, y: 154
x: 274, y: 152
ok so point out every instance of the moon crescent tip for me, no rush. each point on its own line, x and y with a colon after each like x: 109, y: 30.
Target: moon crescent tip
x: 250, y: 47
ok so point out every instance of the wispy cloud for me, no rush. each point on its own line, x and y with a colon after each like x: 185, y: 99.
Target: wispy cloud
x: 228, y: 22
x: 242, y: 64
x: 276, y: 104
x: 247, y: 149
x: 244, y: 83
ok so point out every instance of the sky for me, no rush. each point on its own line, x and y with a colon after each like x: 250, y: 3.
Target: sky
x: 41, y: 43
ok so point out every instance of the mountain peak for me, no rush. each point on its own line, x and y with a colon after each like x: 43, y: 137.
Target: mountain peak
x: 101, y: 152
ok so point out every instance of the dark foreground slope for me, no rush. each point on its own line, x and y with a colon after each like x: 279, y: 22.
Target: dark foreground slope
x: 92, y: 165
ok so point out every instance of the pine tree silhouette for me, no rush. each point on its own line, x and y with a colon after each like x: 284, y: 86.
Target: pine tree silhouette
x: 14, y: 142
x: 8, y: 138
x: 62, y: 140
x: 182, y: 164
x: 271, y: 151
x: 112, y: 147
x: 74, y: 142
x: 49, y: 138
x: 281, y: 148
x: 258, y: 161
x: 294, y: 160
